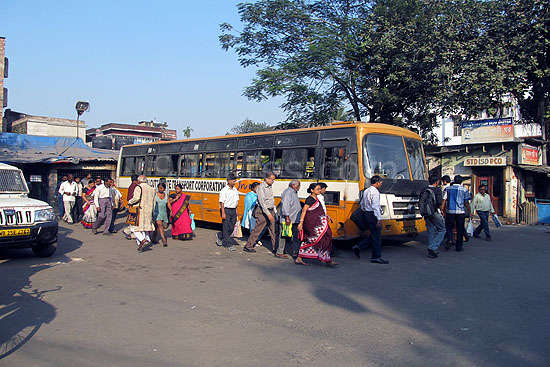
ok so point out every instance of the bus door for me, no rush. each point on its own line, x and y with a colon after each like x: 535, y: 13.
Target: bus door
x: 334, y: 172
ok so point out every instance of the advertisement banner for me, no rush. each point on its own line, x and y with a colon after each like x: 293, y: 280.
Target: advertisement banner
x: 487, y: 131
x: 528, y: 154
x: 484, y: 161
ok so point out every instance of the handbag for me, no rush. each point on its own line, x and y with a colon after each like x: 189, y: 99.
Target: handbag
x: 358, y: 217
x: 133, y: 214
x: 237, y: 231
x: 192, y: 216
x: 287, y: 230
x: 133, y: 218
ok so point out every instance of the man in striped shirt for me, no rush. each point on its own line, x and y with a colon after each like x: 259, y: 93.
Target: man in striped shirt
x: 456, y: 200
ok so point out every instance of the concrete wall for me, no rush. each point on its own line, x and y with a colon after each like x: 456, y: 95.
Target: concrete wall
x: 49, y: 126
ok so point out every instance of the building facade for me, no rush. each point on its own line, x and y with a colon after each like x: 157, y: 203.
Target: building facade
x: 114, y: 136
x: 498, y: 152
x: 3, y: 75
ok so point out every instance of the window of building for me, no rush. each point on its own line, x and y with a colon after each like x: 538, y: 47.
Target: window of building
x: 457, y: 127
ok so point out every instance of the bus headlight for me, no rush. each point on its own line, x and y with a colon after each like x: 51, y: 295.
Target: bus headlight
x: 44, y: 215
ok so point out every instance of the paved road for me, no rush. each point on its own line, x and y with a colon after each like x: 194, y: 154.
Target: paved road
x: 98, y: 302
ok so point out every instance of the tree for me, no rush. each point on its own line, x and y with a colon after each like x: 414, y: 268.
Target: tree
x: 249, y: 126
x: 402, y: 62
x: 187, y: 132
x: 371, y: 57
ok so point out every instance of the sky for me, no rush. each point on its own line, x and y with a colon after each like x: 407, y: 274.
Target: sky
x: 132, y: 60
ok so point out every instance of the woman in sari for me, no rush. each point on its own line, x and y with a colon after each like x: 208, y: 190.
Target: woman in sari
x: 160, y: 214
x: 89, y: 209
x: 180, y: 215
x: 314, y: 224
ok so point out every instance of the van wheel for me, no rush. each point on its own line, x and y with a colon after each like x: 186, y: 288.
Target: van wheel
x: 44, y: 250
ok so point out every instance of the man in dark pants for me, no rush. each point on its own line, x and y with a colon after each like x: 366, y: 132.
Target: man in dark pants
x: 265, y: 214
x: 484, y: 207
x: 372, y: 214
x: 456, y: 200
x: 290, y: 213
x: 116, y: 199
x: 77, y: 209
x: 229, y: 199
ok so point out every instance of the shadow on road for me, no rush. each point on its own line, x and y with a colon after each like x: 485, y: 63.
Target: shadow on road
x: 23, y: 309
x: 483, y: 304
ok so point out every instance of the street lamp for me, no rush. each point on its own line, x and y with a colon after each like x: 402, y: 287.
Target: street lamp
x: 81, y: 107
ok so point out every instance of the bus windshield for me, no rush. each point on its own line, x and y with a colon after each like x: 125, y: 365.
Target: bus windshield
x: 386, y: 157
x: 416, y: 157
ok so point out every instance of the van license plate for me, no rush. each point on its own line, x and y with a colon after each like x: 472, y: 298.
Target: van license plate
x: 15, y: 232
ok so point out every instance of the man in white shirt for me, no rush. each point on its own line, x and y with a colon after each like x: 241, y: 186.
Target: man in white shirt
x: 102, y: 200
x: 69, y: 190
x: 77, y: 210
x: 370, y: 206
x: 229, y: 199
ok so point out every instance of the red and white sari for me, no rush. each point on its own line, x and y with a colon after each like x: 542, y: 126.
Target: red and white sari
x: 317, y: 242
x: 89, y: 209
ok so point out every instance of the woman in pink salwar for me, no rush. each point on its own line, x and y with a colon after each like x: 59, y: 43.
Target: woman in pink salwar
x: 180, y: 215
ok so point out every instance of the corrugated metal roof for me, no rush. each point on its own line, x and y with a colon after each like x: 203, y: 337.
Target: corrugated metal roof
x: 21, y: 148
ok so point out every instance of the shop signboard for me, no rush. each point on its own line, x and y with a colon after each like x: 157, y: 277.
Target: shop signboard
x: 528, y: 154
x: 487, y: 131
x: 485, y: 161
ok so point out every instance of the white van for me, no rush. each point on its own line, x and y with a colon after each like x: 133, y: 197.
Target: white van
x: 24, y: 222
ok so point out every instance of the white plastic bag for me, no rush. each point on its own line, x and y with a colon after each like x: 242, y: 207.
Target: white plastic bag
x: 496, y: 221
x: 470, y: 228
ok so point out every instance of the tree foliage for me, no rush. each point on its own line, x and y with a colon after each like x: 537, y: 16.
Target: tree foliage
x: 187, y: 132
x: 249, y: 126
x: 402, y: 62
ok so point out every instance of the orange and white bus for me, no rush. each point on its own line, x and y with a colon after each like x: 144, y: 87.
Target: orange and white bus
x: 344, y: 155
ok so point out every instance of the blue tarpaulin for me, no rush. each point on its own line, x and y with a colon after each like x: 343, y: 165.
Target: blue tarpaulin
x: 21, y: 148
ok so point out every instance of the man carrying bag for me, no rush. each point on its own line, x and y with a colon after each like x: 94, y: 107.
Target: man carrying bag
x: 430, y: 201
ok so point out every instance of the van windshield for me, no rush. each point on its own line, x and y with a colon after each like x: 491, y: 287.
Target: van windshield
x: 12, y: 181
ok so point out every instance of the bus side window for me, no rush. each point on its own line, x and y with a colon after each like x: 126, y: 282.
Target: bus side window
x: 294, y: 163
x: 239, y: 165
x: 166, y: 166
x: 226, y: 163
x: 277, y: 162
x: 252, y: 164
x: 140, y: 166
x: 190, y: 165
x: 334, y: 159
x: 351, y: 167
x: 210, y: 166
x: 128, y: 166
x: 265, y: 159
